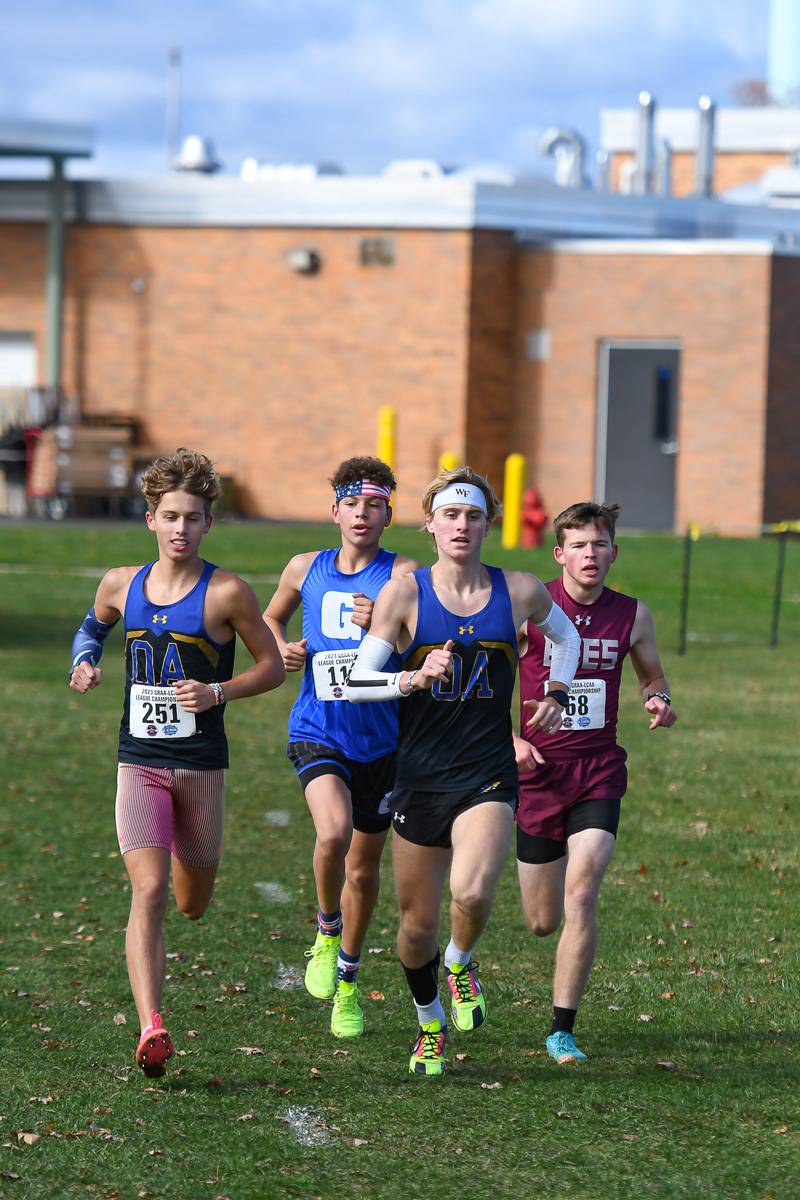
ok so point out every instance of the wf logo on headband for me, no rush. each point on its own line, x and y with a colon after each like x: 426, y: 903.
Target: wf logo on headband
x: 460, y: 491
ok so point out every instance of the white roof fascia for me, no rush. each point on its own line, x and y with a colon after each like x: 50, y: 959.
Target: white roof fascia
x: 765, y: 130
x: 537, y: 210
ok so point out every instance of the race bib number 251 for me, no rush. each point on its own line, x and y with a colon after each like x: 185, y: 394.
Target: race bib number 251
x: 156, y: 713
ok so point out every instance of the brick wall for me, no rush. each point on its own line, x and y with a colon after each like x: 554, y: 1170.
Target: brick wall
x: 277, y: 375
x: 492, y: 358
x: 716, y: 306
x: 730, y: 169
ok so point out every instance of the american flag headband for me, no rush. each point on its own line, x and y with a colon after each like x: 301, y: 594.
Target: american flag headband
x: 363, y: 487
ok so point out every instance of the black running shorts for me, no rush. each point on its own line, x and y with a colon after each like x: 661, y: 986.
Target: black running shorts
x: 369, y: 783
x: 426, y: 818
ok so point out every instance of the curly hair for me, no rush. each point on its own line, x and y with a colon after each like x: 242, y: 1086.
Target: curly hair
x: 462, y: 475
x: 363, y: 467
x: 183, y: 471
x: 586, y: 513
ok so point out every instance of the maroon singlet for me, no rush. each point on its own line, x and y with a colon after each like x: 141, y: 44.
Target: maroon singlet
x: 590, y: 721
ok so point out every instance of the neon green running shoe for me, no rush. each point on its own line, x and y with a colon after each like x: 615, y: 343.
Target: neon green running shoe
x: 468, y: 1001
x: 321, y: 969
x: 347, y: 1019
x: 427, y: 1056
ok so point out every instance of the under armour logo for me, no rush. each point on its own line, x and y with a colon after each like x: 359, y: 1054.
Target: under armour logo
x: 399, y: 817
x: 462, y: 629
x: 582, y: 620
x: 162, y: 617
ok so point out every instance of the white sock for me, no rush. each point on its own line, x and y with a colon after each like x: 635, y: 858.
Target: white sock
x: 430, y: 1012
x: 455, y: 957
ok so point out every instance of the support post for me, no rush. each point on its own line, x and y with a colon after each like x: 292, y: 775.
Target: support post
x: 55, y: 275
x: 513, y: 487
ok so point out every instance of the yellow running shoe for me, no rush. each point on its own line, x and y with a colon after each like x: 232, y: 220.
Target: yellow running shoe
x: 468, y: 1002
x: 347, y: 1019
x: 321, y: 970
x: 427, y: 1057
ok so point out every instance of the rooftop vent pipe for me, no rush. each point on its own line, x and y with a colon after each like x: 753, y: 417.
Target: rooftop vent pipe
x: 646, y: 146
x: 568, y: 149
x: 664, y: 167
x: 704, y: 160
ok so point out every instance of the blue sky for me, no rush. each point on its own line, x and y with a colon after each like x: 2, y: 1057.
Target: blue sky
x: 362, y: 82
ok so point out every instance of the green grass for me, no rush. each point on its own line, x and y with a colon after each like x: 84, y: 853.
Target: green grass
x: 698, y: 914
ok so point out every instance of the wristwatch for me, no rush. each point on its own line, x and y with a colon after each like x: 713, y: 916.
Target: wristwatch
x: 412, y: 687
x: 559, y: 696
x: 665, y: 696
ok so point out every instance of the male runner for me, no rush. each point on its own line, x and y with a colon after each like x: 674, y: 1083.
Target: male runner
x: 571, y: 784
x: 181, y: 616
x: 343, y: 756
x: 455, y: 627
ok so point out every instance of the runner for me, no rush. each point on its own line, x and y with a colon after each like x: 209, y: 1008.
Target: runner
x: 455, y: 627
x: 572, y: 783
x: 344, y: 756
x: 180, y: 616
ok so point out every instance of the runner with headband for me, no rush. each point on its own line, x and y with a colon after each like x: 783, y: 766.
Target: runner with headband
x: 344, y: 756
x: 455, y: 627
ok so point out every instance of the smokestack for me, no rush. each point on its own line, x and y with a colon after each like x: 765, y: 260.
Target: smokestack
x: 704, y: 159
x: 664, y: 168
x: 645, y: 151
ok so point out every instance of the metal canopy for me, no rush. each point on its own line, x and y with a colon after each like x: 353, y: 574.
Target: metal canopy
x: 56, y: 141
x: 45, y: 139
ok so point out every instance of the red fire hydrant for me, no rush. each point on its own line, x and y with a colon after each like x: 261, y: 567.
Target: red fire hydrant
x: 534, y: 519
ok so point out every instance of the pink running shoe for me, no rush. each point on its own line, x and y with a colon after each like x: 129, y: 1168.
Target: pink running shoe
x: 155, y: 1047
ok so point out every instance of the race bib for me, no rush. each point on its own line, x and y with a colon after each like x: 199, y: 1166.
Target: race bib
x: 156, y: 713
x: 586, y: 708
x: 331, y: 668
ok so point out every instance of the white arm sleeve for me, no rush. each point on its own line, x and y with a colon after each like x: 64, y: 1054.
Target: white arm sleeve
x: 366, y: 680
x: 566, y: 644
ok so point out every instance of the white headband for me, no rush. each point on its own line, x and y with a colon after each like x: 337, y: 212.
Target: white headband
x: 461, y: 493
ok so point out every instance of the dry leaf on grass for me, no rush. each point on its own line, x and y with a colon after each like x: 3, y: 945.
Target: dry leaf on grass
x: 375, y: 995
x: 120, y: 1019
x: 28, y: 1137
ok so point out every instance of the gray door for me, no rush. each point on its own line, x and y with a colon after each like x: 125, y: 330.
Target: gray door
x: 637, y: 422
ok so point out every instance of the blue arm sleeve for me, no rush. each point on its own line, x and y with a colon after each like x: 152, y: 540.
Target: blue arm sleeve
x: 87, y: 645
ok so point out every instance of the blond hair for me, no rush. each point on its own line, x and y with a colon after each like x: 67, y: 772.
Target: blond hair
x: 183, y: 471
x: 461, y: 475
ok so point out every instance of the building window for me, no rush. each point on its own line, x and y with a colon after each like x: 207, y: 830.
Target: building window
x: 376, y: 252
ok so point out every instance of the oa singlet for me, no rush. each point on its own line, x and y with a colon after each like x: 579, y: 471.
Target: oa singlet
x: 590, y: 719
x: 457, y: 735
x: 321, y: 713
x: 162, y: 643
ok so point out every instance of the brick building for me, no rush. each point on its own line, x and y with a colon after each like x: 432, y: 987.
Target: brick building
x: 635, y: 348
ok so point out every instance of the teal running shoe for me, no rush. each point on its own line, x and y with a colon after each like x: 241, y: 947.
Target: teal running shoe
x: 561, y: 1046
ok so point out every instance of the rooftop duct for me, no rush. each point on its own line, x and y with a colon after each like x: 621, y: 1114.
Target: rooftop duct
x: 704, y: 159
x: 646, y: 148
x: 568, y: 149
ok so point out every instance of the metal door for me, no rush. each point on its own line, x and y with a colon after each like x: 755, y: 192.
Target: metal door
x: 637, y: 422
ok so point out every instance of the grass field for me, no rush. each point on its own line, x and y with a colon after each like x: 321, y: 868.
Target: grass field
x: 691, y: 1012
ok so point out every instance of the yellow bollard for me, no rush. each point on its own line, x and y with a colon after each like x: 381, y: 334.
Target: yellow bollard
x: 448, y: 461
x: 387, y: 428
x: 513, y: 487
